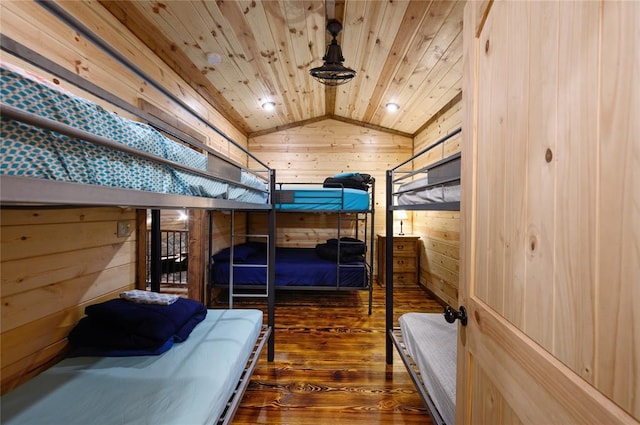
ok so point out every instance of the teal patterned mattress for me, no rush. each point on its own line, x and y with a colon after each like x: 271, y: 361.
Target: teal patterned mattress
x: 29, y: 151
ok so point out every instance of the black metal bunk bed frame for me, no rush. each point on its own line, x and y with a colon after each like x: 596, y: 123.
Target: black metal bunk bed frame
x: 394, y: 336
x: 239, y: 290
x: 367, y: 216
x: 20, y: 192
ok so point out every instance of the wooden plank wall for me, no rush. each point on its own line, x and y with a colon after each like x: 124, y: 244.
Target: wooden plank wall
x: 56, y: 261
x: 312, y: 152
x: 555, y: 242
x: 439, y: 231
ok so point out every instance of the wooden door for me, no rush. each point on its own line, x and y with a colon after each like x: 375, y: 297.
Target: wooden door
x: 550, y: 215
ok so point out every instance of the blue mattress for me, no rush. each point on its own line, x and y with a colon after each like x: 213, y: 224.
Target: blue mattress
x: 33, y: 152
x: 322, y: 199
x: 294, y: 267
x: 189, y: 384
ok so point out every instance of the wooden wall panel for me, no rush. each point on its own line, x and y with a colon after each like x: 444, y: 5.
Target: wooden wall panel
x: 489, y: 403
x: 222, y: 227
x: 617, y: 260
x: 502, y: 213
x: 576, y: 159
x: 541, y: 142
x: 439, y: 231
x: 59, y: 260
x: 319, y: 150
x: 515, y: 161
x: 493, y: 126
x: 198, y: 254
x: 556, y: 250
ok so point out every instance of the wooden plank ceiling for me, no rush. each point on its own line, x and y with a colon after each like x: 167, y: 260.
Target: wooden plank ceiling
x: 406, y: 52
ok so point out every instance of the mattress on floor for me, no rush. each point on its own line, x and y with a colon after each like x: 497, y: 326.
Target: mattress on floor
x: 189, y: 384
x: 432, y: 343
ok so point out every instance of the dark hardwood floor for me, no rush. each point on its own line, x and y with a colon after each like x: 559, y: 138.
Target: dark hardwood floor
x: 330, y: 364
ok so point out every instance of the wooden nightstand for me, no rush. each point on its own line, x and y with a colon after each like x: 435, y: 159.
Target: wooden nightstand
x: 405, y: 259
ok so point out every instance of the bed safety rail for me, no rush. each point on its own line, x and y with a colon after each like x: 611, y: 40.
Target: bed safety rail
x: 17, y: 114
x: 233, y: 404
x: 313, y: 197
x: 435, y: 186
x: 395, y: 335
x: 225, y: 169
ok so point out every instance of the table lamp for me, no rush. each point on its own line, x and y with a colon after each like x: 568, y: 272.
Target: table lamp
x: 402, y: 215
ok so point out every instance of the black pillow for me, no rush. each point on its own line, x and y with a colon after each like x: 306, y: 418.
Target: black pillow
x: 351, y: 250
x: 349, y: 246
x: 354, y: 181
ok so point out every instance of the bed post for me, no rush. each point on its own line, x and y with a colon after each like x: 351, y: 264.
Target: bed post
x: 156, y: 249
x: 271, y: 277
x: 389, y: 264
x: 142, y: 242
x: 372, y: 232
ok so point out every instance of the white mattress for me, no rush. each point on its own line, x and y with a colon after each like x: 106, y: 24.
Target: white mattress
x: 431, y: 341
x: 189, y: 384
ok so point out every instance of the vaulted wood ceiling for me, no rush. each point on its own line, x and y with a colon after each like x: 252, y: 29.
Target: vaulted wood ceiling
x: 406, y: 52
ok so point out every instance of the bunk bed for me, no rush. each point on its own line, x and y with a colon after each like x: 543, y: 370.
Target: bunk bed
x: 342, y: 263
x: 59, y: 151
x: 425, y: 341
x: 52, y: 135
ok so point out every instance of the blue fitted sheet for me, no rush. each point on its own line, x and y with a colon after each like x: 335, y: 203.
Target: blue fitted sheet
x: 300, y: 267
x: 33, y: 152
x: 322, y: 199
x: 189, y: 384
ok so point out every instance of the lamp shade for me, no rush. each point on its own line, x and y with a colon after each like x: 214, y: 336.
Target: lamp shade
x: 401, y: 215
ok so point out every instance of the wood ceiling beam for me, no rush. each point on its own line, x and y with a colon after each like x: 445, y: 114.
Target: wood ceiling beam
x: 329, y: 117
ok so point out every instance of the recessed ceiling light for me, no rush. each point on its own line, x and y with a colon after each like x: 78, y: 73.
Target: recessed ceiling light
x: 269, y: 106
x: 392, y: 107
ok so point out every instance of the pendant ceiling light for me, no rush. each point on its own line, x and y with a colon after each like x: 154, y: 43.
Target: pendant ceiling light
x: 332, y: 72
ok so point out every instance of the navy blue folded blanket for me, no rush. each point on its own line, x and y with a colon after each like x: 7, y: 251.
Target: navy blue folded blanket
x: 124, y: 325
